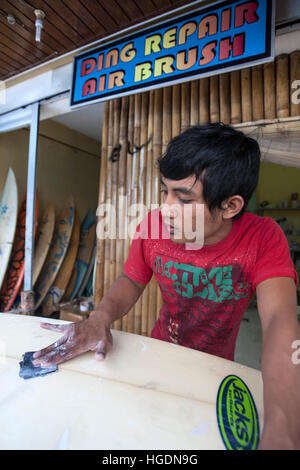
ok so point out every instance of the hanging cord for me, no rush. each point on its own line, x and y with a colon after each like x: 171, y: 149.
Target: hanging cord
x: 137, y: 148
x: 115, y: 153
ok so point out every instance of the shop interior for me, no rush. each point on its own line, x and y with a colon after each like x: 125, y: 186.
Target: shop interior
x: 68, y: 166
x: 69, y: 154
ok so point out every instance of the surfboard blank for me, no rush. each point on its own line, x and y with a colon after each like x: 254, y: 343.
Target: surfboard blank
x: 150, y: 394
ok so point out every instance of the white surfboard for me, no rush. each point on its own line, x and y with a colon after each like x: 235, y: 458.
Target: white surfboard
x: 146, y: 394
x: 8, y: 221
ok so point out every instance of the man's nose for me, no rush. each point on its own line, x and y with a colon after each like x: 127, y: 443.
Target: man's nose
x: 170, y: 209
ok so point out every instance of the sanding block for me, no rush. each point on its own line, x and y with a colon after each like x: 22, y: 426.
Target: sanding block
x: 29, y: 371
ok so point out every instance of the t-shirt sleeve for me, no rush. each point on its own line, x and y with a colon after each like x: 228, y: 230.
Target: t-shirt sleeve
x: 274, y: 259
x: 136, y: 266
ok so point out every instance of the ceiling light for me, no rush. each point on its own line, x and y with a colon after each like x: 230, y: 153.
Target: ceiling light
x: 40, y: 15
x: 11, y: 19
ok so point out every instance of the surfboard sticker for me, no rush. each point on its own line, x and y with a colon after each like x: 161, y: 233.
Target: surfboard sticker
x: 237, y: 415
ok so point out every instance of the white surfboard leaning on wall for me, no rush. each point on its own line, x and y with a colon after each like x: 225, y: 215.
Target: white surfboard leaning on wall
x: 8, y: 221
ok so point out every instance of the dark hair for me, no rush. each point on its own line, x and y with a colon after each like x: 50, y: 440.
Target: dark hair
x: 225, y: 160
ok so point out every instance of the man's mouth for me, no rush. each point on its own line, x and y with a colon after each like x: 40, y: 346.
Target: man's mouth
x: 170, y: 227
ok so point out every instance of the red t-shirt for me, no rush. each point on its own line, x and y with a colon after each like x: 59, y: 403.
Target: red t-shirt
x: 206, y: 292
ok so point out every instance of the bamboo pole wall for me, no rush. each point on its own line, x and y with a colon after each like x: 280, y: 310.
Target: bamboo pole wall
x: 294, y: 64
x: 151, y: 119
x: 157, y: 151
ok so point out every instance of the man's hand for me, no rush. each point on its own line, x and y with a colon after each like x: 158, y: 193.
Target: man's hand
x: 92, y: 334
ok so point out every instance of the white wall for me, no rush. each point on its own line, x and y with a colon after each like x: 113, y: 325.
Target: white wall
x: 68, y: 163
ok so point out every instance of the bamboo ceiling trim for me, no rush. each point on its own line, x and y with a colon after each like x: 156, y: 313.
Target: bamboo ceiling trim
x: 279, y: 141
x: 68, y: 24
x: 262, y: 93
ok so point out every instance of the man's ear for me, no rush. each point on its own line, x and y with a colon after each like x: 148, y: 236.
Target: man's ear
x: 232, y: 206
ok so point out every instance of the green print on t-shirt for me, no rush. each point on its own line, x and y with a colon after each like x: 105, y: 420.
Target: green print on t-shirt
x: 215, y: 285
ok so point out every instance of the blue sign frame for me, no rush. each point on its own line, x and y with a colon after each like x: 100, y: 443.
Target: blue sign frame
x: 222, y: 37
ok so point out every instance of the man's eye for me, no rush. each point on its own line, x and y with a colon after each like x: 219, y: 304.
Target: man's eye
x: 185, y: 201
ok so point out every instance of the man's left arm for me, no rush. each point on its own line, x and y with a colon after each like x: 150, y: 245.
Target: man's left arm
x: 277, y: 306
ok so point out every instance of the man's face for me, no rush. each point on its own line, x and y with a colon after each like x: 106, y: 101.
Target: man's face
x: 185, y: 213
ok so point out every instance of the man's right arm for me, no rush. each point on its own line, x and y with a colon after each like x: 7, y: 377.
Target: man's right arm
x: 119, y: 299
x: 92, y: 334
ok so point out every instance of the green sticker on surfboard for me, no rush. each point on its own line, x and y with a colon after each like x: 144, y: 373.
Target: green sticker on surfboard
x: 237, y: 415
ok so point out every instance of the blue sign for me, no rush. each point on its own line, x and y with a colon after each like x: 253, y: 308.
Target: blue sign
x: 222, y: 37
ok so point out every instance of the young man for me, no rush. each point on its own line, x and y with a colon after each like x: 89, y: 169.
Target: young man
x: 208, y: 273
